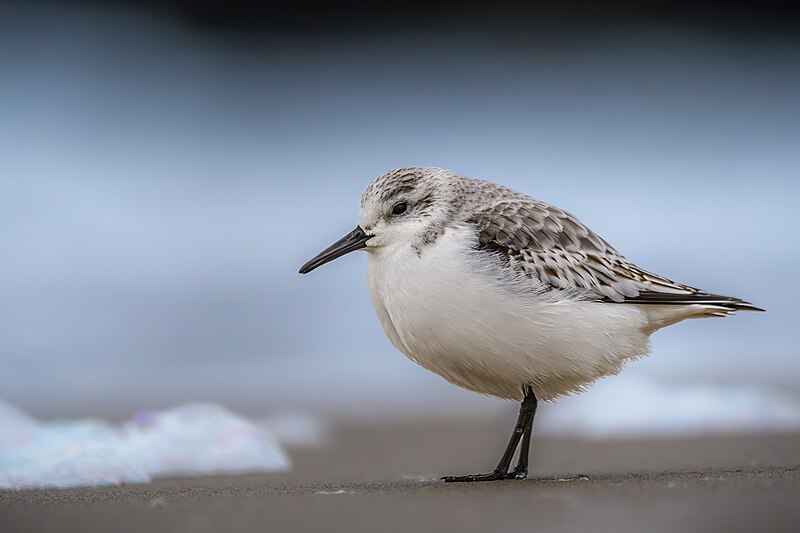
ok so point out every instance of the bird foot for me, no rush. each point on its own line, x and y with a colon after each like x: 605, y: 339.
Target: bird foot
x: 519, y: 473
x: 492, y: 476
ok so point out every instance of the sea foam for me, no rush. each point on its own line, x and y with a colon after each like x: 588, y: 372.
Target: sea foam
x: 194, y: 439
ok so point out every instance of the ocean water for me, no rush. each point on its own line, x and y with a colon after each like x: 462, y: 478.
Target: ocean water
x: 647, y: 408
x: 160, y: 186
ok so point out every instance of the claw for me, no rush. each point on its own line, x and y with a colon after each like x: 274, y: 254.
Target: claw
x: 497, y: 475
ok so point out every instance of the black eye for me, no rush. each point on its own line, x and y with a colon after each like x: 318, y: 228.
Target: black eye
x: 399, y: 208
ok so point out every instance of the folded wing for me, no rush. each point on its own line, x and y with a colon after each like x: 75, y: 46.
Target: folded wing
x: 555, y: 249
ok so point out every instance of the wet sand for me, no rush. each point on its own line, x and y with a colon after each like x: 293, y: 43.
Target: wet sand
x: 385, y: 478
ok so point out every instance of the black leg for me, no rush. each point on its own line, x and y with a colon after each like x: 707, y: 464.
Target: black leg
x: 521, y: 471
x: 522, y: 430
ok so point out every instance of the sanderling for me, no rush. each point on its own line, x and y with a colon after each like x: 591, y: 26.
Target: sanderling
x: 506, y: 295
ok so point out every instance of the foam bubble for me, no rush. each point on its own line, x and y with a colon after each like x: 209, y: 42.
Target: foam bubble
x: 195, y: 439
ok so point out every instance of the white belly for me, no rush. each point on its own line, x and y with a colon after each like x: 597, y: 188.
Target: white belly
x: 455, y: 315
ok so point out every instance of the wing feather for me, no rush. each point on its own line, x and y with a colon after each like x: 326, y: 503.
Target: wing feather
x: 555, y: 249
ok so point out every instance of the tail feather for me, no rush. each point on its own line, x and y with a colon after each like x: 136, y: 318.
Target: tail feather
x: 665, y: 309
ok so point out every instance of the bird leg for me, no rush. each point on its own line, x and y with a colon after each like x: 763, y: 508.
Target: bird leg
x: 521, y: 470
x: 522, y: 430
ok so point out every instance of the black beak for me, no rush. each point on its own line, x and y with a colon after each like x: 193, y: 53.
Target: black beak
x: 355, y: 240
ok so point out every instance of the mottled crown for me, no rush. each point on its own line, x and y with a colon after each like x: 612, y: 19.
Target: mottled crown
x: 397, y: 182
x: 454, y: 194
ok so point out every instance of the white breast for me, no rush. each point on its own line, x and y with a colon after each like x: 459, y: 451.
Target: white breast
x: 459, y: 315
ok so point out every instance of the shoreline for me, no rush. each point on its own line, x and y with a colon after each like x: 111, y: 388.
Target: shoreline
x: 385, y: 478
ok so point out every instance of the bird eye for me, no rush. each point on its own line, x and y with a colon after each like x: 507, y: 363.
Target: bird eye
x: 399, y: 208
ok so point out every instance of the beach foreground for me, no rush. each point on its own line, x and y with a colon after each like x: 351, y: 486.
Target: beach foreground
x: 385, y: 478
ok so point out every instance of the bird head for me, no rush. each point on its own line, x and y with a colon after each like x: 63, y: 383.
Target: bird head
x: 404, y: 207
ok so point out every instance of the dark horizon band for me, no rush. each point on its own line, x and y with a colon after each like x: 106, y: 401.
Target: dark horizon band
x: 355, y: 240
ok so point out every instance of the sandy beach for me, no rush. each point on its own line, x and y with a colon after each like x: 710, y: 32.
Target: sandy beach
x: 385, y: 478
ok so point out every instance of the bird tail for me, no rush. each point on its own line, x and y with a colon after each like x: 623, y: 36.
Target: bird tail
x: 667, y: 309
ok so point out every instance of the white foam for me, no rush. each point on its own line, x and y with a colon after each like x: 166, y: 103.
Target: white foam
x: 195, y: 439
x: 632, y: 406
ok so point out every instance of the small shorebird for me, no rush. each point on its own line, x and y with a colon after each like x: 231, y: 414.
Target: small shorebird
x: 506, y: 295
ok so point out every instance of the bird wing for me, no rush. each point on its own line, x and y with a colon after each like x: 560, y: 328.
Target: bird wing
x: 555, y: 249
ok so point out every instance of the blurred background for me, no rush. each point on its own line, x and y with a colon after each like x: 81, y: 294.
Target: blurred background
x: 166, y: 167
